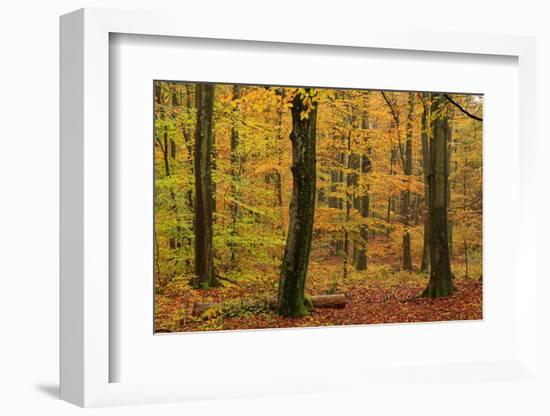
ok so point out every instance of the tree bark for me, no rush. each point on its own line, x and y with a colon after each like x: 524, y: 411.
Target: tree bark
x: 464, y: 194
x: 393, y: 153
x: 157, y: 262
x: 175, y: 103
x: 440, y: 283
x: 235, y: 171
x: 450, y: 223
x: 186, y: 130
x: 204, y: 265
x: 350, y: 179
x: 425, y: 263
x: 291, y: 294
x: 406, y: 195
x: 277, y: 172
x: 363, y: 206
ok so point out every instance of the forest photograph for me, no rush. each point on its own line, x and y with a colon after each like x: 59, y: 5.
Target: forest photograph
x: 293, y: 206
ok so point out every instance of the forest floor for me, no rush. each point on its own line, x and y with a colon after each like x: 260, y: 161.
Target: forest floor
x: 379, y: 295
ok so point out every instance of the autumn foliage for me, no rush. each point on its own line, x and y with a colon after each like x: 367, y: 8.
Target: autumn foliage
x: 370, y: 210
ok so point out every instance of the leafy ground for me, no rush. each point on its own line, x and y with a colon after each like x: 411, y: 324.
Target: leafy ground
x: 379, y: 295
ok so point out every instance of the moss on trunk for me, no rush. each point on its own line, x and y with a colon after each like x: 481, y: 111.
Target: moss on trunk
x: 291, y: 296
x: 441, y: 282
x: 205, y: 276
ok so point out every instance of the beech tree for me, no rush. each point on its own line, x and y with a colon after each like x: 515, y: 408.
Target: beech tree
x: 441, y: 279
x: 205, y: 276
x: 291, y: 293
x: 235, y: 170
x: 425, y: 261
x: 406, y: 195
x: 362, y: 203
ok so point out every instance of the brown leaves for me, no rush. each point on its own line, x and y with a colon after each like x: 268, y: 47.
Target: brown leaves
x: 368, y: 303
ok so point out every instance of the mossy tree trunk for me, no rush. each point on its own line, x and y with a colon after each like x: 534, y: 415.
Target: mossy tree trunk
x: 440, y: 283
x: 291, y: 296
x: 204, y: 202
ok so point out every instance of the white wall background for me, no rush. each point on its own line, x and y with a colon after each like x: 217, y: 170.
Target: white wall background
x: 29, y: 57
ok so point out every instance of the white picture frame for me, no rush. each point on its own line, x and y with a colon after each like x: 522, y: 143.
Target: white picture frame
x: 85, y: 220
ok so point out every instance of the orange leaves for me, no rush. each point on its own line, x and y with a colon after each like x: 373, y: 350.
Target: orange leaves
x: 368, y: 302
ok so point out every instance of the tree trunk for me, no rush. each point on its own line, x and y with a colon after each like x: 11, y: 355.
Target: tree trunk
x: 187, y: 138
x: 425, y: 263
x: 448, y: 168
x: 204, y: 265
x: 157, y: 262
x: 393, y: 153
x: 165, y: 145
x: 440, y: 282
x: 350, y: 179
x: 335, y: 201
x: 291, y: 294
x: 175, y: 103
x: 464, y: 194
x: 360, y: 256
x: 406, y: 195
x: 235, y: 171
x: 277, y: 172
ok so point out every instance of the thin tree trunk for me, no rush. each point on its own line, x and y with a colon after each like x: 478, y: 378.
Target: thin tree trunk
x: 449, y: 208
x: 165, y: 155
x: 291, y: 294
x: 349, y: 200
x: 235, y: 171
x: 187, y: 139
x: 406, y: 195
x: 425, y: 263
x: 165, y: 146
x: 390, y: 199
x: 277, y: 172
x: 440, y: 282
x: 335, y: 201
x: 360, y: 257
x: 157, y: 262
x: 464, y: 193
x: 175, y: 103
x: 204, y: 264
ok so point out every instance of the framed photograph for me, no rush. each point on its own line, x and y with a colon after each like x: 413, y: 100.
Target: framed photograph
x: 237, y: 208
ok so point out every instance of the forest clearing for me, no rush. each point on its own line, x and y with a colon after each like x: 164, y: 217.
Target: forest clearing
x: 301, y: 207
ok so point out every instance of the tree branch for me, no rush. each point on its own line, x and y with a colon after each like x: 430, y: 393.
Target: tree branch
x: 390, y: 105
x: 160, y: 145
x: 396, y: 119
x: 475, y: 201
x: 227, y: 279
x: 457, y: 105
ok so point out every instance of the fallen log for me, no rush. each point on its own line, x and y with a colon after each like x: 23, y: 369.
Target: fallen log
x: 337, y: 301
